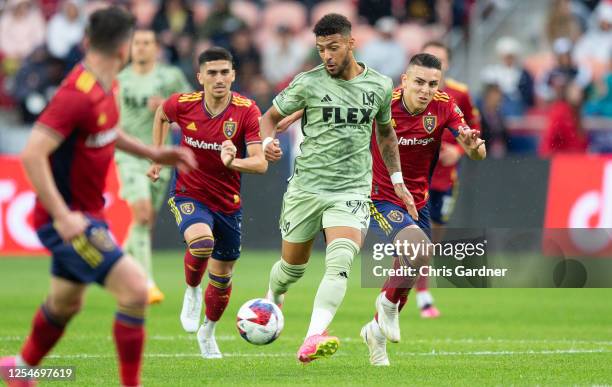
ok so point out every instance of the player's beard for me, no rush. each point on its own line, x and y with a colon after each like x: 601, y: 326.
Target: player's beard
x: 341, y: 67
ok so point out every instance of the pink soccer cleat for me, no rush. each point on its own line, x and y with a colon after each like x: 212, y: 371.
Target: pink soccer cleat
x: 430, y: 312
x: 316, y: 347
x: 8, y: 363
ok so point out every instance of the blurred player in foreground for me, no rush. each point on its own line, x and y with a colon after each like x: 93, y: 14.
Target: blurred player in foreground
x: 332, y: 178
x: 143, y: 86
x: 67, y: 159
x: 222, y: 128
x: 444, y: 183
x: 420, y: 116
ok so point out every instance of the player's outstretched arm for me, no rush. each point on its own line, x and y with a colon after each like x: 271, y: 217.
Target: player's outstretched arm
x: 387, y: 145
x: 35, y: 157
x: 472, y: 144
x: 268, y: 126
x: 254, y: 163
x: 182, y: 158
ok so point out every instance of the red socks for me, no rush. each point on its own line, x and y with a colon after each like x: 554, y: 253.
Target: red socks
x: 194, y: 269
x: 129, y: 336
x: 196, y: 257
x: 217, y: 295
x: 421, y: 283
x: 44, y: 335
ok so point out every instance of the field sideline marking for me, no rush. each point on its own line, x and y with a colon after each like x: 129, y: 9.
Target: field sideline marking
x: 281, y: 354
x: 190, y: 337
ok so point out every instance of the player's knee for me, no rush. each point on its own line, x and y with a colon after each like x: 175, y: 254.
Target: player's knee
x: 134, y: 292
x: 201, y: 246
x: 220, y: 281
x: 339, y: 256
x: 63, y: 311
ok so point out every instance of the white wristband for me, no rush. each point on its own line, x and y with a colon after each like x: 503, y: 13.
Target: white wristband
x: 266, y: 142
x: 397, y: 178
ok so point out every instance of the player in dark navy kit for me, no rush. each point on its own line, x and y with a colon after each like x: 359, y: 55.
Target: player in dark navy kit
x: 420, y: 116
x: 222, y: 128
x: 66, y: 159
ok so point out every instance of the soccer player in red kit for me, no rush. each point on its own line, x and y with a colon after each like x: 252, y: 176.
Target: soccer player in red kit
x: 443, y: 185
x: 420, y: 116
x: 67, y: 159
x: 222, y: 128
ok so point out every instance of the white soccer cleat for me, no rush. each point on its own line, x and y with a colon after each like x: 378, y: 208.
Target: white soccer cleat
x: 208, y: 345
x: 388, y: 318
x: 376, y: 342
x: 192, y: 309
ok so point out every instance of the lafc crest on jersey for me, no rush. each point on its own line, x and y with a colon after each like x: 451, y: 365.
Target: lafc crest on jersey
x: 229, y: 128
x: 187, y: 208
x: 429, y: 123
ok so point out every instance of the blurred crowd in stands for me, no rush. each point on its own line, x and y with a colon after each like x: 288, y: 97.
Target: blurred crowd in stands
x: 569, y: 79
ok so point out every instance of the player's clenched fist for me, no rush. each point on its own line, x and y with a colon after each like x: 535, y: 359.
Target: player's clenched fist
x: 153, y: 172
x: 228, y: 152
x: 272, y: 150
x: 402, y: 192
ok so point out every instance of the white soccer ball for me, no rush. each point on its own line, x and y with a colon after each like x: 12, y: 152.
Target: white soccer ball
x: 260, y: 321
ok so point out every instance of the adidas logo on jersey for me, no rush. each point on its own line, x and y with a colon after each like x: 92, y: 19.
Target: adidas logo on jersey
x: 415, y: 141
x: 326, y: 98
x: 202, y: 144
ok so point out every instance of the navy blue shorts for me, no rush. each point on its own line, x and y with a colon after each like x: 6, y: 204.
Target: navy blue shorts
x: 226, y: 229
x: 387, y: 219
x: 88, y: 258
x: 441, y: 204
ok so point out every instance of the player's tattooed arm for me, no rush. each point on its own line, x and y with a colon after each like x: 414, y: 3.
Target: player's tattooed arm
x: 387, y: 145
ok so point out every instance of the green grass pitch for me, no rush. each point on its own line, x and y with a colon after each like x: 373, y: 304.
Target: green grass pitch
x: 484, y: 337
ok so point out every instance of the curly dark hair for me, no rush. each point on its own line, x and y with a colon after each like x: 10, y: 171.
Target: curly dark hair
x: 331, y: 24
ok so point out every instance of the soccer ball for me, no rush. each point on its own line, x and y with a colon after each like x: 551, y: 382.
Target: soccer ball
x: 260, y: 321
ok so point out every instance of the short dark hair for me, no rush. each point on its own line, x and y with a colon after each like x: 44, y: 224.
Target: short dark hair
x: 108, y: 28
x: 331, y: 24
x: 425, y: 60
x: 439, y: 44
x: 149, y: 29
x: 215, y: 53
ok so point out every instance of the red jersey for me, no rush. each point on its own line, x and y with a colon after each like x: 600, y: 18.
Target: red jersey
x: 213, y: 184
x: 563, y: 133
x: 85, y: 116
x: 419, y: 137
x: 443, y: 176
